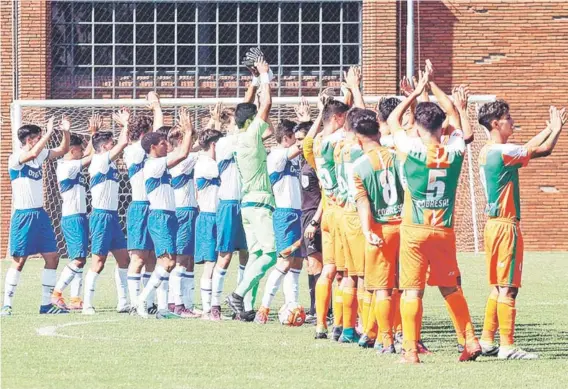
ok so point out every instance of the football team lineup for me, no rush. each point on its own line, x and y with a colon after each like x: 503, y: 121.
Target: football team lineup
x: 363, y: 198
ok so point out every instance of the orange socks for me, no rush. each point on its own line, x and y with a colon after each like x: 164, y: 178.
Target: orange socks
x: 459, y: 313
x: 360, y: 298
x: 349, y: 307
x: 338, y: 307
x: 365, y: 308
x: 490, y: 324
x: 411, y: 312
x: 506, y: 312
x: 372, y: 325
x: 396, y: 319
x: 383, y: 313
x: 323, y: 295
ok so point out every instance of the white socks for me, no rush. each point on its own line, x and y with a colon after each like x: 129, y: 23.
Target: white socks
x: 217, y: 285
x: 272, y: 285
x: 12, y: 280
x: 120, y: 277
x: 153, y: 282
x: 66, y: 276
x: 76, y: 284
x: 291, y: 286
x: 176, y: 289
x: 188, y: 289
x: 240, y: 273
x: 90, y: 282
x: 48, y: 278
x: 145, y: 278
x: 133, y: 281
x: 162, y: 292
x: 206, y: 288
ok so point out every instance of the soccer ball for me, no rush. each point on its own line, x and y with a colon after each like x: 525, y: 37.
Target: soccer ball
x: 292, y: 314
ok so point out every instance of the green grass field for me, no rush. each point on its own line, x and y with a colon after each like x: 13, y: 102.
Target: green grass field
x: 117, y: 351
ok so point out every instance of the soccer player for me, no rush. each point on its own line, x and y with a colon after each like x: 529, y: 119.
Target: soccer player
x: 182, y: 278
x: 499, y: 164
x: 31, y: 231
x: 207, y: 181
x: 104, y: 227
x: 376, y: 188
x: 318, y: 151
x: 162, y: 221
x: 257, y: 202
x: 431, y: 170
x: 284, y: 173
x: 74, y: 222
x: 139, y: 243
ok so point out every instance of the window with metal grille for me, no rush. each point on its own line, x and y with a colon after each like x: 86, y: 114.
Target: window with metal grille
x: 118, y: 49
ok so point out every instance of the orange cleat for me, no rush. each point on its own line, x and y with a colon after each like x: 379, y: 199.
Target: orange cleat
x: 58, y: 301
x: 75, y: 304
x: 472, y: 350
x: 410, y: 357
x: 262, y: 315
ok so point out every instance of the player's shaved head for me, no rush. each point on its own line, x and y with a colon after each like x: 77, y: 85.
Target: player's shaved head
x: 207, y: 137
x: 151, y: 139
x: 333, y: 108
x: 244, y: 112
x: 429, y: 116
x: 28, y: 130
x: 100, y: 139
x: 75, y: 140
x: 386, y: 106
x: 494, y: 110
x: 364, y: 122
x: 138, y: 126
x: 303, y: 127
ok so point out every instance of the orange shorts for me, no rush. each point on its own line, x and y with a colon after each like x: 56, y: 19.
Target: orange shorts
x: 504, y: 249
x: 381, y: 263
x: 427, y: 253
x: 338, y: 239
x: 353, y: 243
x: 331, y: 238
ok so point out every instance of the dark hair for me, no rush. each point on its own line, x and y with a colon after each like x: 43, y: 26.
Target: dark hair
x: 284, y: 128
x: 164, y: 130
x: 429, y: 116
x: 386, y: 106
x: 364, y: 122
x: 334, y: 107
x: 208, y: 136
x: 28, y: 130
x: 75, y: 140
x: 174, y: 136
x: 138, y: 126
x: 100, y: 138
x: 151, y: 139
x: 303, y: 126
x: 494, y: 110
x: 244, y: 112
x: 349, y: 119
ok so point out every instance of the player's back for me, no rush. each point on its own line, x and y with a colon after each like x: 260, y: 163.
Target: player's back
x: 134, y: 159
x: 251, y: 159
x: 284, y: 177
x: 349, y: 152
x: 104, y: 182
x: 183, y: 182
x: 324, y: 153
x: 72, y: 186
x: 207, y: 182
x: 225, y: 155
x: 158, y: 184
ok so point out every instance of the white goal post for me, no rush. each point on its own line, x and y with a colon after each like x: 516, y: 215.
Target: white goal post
x: 470, y: 201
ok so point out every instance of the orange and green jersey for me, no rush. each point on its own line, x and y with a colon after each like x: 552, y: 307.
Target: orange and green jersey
x: 431, y: 175
x: 341, y: 191
x: 323, y: 150
x: 350, y: 151
x: 499, y: 166
x: 375, y: 177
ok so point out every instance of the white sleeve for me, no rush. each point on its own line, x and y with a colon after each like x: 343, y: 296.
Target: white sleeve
x: 74, y: 168
x: 402, y: 141
x: 14, y: 161
x: 43, y: 155
x: 191, y: 160
x: 157, y: 167
x: 277, y: 160
x: 100, y: 164
x: 205, y: 169
x: 456, y: 142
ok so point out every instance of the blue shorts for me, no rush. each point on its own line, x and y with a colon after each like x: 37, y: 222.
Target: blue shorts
x: 205, y: 237
x: 230, y: 231
x: 185, y: 241
x: 287, y: 229
x: 31, y: 233
x: 163, y: 226
x: 138, y: 236
x: 106, y: 232
x: 76, y: 232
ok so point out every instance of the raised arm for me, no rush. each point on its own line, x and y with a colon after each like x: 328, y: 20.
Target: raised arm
x: 353, y: 83
x: 215, y: 116
x: 187, y: 126
x: 122, y: 119
x: 443, y: 99
x: 269, y: 131
x: 95, y: 124
x: 406, y: 88
x: 156, y: 107
x: 308, y: 144
x: 557, y: 121
x: 303, y: 111
x: 395, y: 118
x: 63, y: 147
x: 265, y: 92
x: 34, y: 152
x: 461, y: 95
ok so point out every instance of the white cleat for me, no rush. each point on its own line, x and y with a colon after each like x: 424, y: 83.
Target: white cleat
x: 142, y: 309
x: 123, y: 308
x: 488, y: 349
x: 515, y: 353
x: 89, y: 311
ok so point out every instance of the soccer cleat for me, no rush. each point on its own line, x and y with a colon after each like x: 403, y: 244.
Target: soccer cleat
x: 488, y: 349
x: 88, y: 311
x: 262, y: 315
x: 336, y: 333
x: 410, y: 357
x: 460, y: 348
x: 153, y: 309
x: 321, y: 333
x: 6, y: 311
x: 206, y: 315
x: 387, y: 350
x: 515, y: 353
x: 378, y: 347
x: 51, y: 309
x: 58, y: 301
x: 171, y: 307
x: 216, y: 313
x: 185, y: 313
x: 422, y: 349
x: 366, y: 342
x: 123, y: 308
x: 142, y: 309
x: 166, y: 314
x: 471, y: 351
x: 349, y: 335
x: 247, y: 316
x: 310, y: 319
x: 236, y: 303
x: 75, y: 304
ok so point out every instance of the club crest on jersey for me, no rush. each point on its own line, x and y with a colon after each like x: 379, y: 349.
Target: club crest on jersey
x: 305, y: 181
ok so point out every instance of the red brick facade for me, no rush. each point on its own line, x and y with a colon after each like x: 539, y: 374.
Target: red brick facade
x: 515, y: 50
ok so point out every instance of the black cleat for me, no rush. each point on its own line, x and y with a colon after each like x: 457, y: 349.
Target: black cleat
x: 336, y: 333
x: 152, y: 309
x: 321, y: 335
x: 236, y: 304
x: 248, y: 316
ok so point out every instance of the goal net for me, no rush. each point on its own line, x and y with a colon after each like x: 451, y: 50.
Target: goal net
x: 470, y: 199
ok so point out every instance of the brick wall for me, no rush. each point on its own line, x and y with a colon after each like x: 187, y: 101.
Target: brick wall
x: 33, y: 48
x: 517, y: 51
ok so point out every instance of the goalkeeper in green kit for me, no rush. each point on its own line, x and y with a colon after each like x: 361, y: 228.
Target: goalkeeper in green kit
x: 257, y: 201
